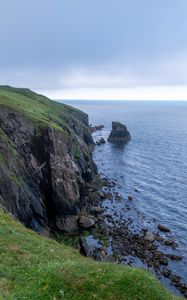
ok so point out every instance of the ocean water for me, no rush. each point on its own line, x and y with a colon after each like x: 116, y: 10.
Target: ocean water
x: 154, y: 162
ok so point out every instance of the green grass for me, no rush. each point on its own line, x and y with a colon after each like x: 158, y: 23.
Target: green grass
x: 35, y: 267
x: 39, y: 108
x: 9, y: 146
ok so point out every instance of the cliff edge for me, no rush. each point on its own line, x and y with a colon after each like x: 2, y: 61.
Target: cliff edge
x: 45, y: 159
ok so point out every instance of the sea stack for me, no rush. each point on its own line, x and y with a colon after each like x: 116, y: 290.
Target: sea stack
x: 119, y: 134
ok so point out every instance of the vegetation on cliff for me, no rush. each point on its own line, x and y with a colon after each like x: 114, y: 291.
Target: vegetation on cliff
x: 39, y: 108
x: 34, y: 267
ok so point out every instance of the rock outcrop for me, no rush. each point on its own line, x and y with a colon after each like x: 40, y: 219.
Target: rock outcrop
x: 100, y: 142
x: 119, y: 133
x: 45, y: 160
x: 96, y: 128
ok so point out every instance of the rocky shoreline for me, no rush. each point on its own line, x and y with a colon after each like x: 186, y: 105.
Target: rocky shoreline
x: 113, y: 240
x: 115, y: 237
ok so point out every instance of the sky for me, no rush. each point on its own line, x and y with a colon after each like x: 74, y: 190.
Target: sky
x: 101, y: 49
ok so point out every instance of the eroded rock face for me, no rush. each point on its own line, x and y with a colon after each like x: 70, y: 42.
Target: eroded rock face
x: 119, y: 134
x: 44, y: 171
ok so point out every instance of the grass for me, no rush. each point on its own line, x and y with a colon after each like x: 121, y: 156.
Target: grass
x: 39, y: 108
x: 35, y: 267
x: 9, y: 147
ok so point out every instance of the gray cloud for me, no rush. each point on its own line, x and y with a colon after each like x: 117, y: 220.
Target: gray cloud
x: 101, y: 43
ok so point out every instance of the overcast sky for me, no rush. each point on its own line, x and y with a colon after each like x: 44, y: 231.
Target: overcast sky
x: 95, y: 49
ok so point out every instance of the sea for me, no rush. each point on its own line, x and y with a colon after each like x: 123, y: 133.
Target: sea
x: 153, y: 162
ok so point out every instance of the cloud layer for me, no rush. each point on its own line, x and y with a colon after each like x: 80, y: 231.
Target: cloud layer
x: 71, y: 48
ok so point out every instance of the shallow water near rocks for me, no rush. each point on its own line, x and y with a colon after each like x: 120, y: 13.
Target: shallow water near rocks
x: 154, y: 163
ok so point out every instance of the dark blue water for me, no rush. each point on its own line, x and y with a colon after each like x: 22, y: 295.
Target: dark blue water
x: 154, y: 161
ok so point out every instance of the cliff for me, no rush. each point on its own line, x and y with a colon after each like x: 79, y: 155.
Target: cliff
x: 45, y: 159
x: 46, y: 173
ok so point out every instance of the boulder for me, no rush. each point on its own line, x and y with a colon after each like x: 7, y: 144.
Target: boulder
x: 163, y: 228
x: 174, y: 257
x: 96, y: 209
x: 67, y: 224
x: 119, y: 134
x: 86, y: 222
x: 149, y: 237
x: 102, y: 195
x: 97, y: 127
x: 100, y: 142
x: 170, y: 243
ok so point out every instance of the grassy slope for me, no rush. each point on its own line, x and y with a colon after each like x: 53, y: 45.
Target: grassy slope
x: 34, y: 267
x: 42, y: 111
x: 37, y: 107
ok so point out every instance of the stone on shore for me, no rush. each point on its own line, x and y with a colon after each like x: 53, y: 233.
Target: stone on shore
x: 97, y: 127
x: 149, y: 237
x: 163, y: 228
x: 100, y: 142
x: 67, y: 224
x: 86, y: 222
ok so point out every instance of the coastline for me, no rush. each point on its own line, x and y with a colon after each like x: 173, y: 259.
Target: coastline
x: 127, y: 237
x: 59, y: 184
x: 113, y: 239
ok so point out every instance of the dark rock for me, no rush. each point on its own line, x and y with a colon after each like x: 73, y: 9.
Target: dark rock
x: 86, y: 222
x: 100, y: 142
x: 170, y: 243
x: 93, y: 198
x: 163, y: 228
x: 185, y: 294
x: 95, y: 128
x: 101, y: 218
x: 159, y: 238
x: 109, y: 196
x: 149, y: 237
x: 119, y: 133
x: 166, y: 272
x: 118, y: 197
x: 89, y: 251
x: 67, y: 224
x: 102, y: 195
x: 174, y: 257
x: 130, y: 198
x: 175, y: 278
x: 96, y: 210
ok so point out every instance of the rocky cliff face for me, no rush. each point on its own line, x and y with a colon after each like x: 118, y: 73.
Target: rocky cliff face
x: 45, y: 159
